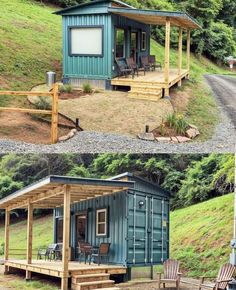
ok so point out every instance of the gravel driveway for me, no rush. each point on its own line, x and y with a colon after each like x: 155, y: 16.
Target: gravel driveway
x: 224, y: 88
x: 223, y: 140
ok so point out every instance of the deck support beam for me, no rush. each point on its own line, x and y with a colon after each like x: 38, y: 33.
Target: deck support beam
x: 7, y: 236
x: 66, y: 239
x: 167, y: 57
x: 180, y: 52
x: 29, y: 238
x: 188, y: 51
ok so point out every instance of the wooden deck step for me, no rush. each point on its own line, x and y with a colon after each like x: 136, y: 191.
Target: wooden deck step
x: 113, y: 288
x: 93, y: 285
x: 146, y: 95
x: 89, y: 271
x: 90, y: 278
x: 149, y: 89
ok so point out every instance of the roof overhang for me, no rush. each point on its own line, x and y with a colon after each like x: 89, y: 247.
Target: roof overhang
x: 49, y: 192
x: 156, y: 17
x: 116, y: 3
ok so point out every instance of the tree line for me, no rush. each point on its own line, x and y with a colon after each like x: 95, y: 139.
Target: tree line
x: 216, y: 39
x: 189, y: 178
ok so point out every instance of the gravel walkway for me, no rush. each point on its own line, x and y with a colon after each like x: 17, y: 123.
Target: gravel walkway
x: 223, y: 140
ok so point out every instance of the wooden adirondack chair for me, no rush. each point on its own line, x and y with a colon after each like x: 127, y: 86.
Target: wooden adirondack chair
x: 171, y: 274
x: 224, y: 277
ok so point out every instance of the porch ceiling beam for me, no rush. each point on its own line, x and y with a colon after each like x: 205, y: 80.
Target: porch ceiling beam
x: 45, y: 195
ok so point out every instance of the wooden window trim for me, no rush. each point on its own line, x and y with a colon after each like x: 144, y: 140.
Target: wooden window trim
x: 105, y: 234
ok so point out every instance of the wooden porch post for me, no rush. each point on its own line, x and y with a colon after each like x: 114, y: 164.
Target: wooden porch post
x: 188, y: 52
x: 167, y: 57
x: 7, y: 235
x: 180, y: 55
x: 29, y: 238
x: 66, y: 239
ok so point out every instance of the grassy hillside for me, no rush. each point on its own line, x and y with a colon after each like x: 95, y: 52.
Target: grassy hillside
x: 42, y: 234
x: 201, y: 234
x: 30, y: 43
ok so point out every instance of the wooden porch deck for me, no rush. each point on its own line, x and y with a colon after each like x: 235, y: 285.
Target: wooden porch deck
x: 55, y: 268
x: 152, y: 85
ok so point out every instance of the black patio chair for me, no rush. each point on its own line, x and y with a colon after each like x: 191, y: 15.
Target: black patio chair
x: 123, y: 69
x: 153, y: 63
x: 134, y: 66
x: 48, y: 253
x: 58, y: 252
x: 101, y: 253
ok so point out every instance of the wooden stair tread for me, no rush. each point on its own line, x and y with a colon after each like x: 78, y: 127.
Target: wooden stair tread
x: 95, y: 283
x: 91, y: 275
x: 113, y: 288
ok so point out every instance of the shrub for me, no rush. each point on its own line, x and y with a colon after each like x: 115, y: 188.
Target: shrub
x: 66, y: 89
x: 43, y: 104
x: 177, y: 122
x: 171, y: 120
x: 87, y: 88
x: 181, y: 125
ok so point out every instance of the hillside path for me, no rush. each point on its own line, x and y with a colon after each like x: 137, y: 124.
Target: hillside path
x: 224, y: 89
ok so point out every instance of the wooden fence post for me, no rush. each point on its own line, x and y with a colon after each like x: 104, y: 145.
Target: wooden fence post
x: 54, y: 125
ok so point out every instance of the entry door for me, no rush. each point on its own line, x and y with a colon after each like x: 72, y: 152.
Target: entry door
x: 81, y: 228
x: 134, y: 46
x: 148, y: 230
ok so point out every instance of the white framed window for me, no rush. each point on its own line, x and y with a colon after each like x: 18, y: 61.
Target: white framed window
x: 101, y: 222
x: 144, y: 41
x: 86, y: 41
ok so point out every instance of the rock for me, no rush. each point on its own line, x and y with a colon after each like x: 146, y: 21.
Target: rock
x: 146, y: 136
x: 192, y: 133
x: 63, y: 138
x: 163, y: 139
x: 70, y: 135
x: 182, y: 139
x: 174, y: 140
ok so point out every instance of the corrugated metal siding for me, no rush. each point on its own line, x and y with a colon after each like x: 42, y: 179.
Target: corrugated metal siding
x: 129, y: 25
x: 148, y: 229
x: 88, y: 67
x: 117, y: 223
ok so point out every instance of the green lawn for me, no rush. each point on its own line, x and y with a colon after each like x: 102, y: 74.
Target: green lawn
x: 30, y: 43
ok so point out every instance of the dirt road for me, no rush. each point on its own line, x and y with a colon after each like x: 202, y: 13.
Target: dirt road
x: 224, y: 88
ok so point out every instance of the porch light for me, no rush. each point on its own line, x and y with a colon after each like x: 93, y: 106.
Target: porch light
x: 141, y: 204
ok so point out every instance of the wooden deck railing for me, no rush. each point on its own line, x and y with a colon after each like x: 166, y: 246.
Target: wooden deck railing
x: 53, y: 112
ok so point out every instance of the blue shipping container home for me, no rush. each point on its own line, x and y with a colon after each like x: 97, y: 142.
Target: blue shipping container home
x: 130, y: 213
x: 98, y: 32
x: 136, y: 223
